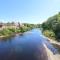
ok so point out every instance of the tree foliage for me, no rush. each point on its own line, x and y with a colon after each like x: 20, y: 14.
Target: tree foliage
x: 53, y: 23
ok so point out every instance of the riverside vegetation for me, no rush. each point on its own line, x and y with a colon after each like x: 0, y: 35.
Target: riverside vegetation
x: 51, y: 27
x: 21, y: 29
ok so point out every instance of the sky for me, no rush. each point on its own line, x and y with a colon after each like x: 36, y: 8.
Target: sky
x: 28, y: 11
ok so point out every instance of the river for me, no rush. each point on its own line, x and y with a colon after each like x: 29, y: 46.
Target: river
x: 28, y: 46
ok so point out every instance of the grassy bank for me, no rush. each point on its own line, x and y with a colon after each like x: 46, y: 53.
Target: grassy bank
x: 11, y: 31
x: 8, y: 32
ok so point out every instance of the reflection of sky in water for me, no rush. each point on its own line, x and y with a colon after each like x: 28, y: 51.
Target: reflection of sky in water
x: 28, y: 43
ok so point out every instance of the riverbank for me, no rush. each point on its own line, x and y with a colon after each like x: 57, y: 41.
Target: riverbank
x: 55, y: 44
x: 50, y: 54
x: 53, y: 41
x: 11, y: 32
x: 5, y: 36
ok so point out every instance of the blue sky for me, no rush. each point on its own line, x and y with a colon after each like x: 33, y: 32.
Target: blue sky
x: 29, y: 11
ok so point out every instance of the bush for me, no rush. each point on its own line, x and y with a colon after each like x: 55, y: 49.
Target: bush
x: 11, y: 29
x: 24, y: 29
x: 5, y: 32
x: 17, y: 30
x: 49, y: 34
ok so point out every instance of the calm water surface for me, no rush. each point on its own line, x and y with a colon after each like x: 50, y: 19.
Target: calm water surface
x: 29, y: 46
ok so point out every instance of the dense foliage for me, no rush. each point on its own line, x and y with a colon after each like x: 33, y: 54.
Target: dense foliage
x: 53, y: 23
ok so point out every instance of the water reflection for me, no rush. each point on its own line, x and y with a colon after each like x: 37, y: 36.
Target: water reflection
x: 29, y: 46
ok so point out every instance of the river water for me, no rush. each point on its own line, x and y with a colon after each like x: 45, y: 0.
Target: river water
x: 28, y: 46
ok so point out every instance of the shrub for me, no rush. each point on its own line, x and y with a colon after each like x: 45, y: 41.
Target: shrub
x: 49, y: 33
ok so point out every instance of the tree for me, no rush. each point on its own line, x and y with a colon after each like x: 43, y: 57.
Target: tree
x: 53, y: 23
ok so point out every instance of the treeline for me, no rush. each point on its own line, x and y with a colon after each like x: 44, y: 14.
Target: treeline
x: 51, y: 28
x: 32, y: 25
x: 12, y: 28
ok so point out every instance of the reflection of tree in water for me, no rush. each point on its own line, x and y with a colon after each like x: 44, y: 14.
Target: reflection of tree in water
x: 5, y: 39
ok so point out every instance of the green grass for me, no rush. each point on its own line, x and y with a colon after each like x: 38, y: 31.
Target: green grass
x: 10, y: 31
